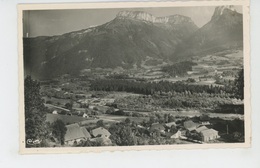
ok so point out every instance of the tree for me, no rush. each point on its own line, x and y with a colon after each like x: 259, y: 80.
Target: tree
x: 171, y: 118
x: 166, y: 118
x: 59, y: 130
x: 173, y: 129
x: 92, y: 143
x: 100, y: 123
x: 152, y: 120
x: 191, y: 80
x: 239, y: 85
x: 68, y: 106
x: 122, y: 135
x: 127, y: 121
x: 35, y: 112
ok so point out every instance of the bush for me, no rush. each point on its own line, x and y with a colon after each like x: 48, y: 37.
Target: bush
x: 48, y: 102
x: 191, y: 80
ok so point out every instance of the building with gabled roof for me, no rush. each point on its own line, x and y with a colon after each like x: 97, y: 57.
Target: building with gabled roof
x: 170, y: 124
x: 209, y: 134
x: 190, y: 125
x: 202, y: 128
x: 85, y: 132
x: 157, y: 127
x: 100, y: 132
x: 174, y: 135
x: 75, y: 133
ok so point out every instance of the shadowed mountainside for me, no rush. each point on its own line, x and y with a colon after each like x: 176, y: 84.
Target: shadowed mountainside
x: 128, y: 39
x: 224, y: 31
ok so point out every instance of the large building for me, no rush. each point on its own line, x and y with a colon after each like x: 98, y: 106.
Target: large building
x: 209, y: 134
x: 190, y: 125
x: 202, y: 128
x: 75, y: 134
x: 157, y: 127
x: 100, y: 132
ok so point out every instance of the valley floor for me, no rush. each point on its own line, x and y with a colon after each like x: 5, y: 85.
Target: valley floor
x: 150, y: 106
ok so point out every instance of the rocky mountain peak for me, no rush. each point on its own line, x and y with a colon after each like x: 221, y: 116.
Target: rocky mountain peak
x: 179, y: 19
x: 136, y: 15
x: 222, y: 10
x: 143, y: 16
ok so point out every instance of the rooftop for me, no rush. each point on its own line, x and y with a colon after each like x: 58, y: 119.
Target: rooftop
x: 74, y: 131
x: 209, y: 132
x: 189, y: 124
x: 100, y: 131
x: 202, y: 128
x: 170, y: 124
x: 157, y: 126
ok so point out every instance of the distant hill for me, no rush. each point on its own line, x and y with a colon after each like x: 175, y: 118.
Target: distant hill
x: 224, y: 31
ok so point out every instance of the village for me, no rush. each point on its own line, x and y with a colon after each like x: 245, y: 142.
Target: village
x: 180, y: 132
x: 105, y: 118
x: 88, y: 122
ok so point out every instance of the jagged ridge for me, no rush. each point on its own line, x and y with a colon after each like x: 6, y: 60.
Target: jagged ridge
x: 127, y: 40
x: 222, y: 9
x: 143, y: 16
x: 222, y: 32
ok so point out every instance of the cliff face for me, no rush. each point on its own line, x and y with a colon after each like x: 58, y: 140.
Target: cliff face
x: 223, y: 31
x: 143, y: 16
x: 223, y: 10
x: 136, y: 15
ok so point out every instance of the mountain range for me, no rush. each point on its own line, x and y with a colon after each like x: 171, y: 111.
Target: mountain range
x: 129, y: 39
x: 224, y: 31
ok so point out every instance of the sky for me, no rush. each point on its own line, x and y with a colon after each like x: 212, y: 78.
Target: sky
x: 57, y: 22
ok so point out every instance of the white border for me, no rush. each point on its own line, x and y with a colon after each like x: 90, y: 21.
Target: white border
x: 245, y: 5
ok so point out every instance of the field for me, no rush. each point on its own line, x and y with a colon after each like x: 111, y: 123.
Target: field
x: 209, y: 65
x: 65, y: 118
x: 56, y: 100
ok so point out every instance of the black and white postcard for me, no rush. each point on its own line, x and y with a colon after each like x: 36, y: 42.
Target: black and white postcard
x: 134, y: 76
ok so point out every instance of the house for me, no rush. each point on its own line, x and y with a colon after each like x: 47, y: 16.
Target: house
x: 202, y: 128
x: 175, y: 135
x: 55, y: 112
x: 190, y: 125
x: 100, y: 132
x: 157, y: 127
x: 96, y: 102
x: 85, y: 115
x: 169, y: 125
x: 85, y: 132
x: 101, y: 109
x: 91, y: 107
x: 209, y: 134
x: 75, y: 133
